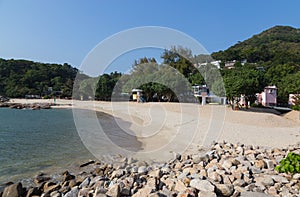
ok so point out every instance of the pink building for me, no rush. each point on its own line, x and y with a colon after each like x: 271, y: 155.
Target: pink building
x: 268, y: 97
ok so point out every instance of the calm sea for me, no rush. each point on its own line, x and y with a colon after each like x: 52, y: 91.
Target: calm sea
x: 32, y: 141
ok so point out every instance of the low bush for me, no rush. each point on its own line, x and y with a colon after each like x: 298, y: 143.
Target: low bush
x: 290, y: 164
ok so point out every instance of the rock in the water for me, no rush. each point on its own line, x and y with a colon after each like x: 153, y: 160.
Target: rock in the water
x: 67, y: 176
x: 14, y: 190
x: 40, y: 179
x: 202, y: 185
x: 87, y: 163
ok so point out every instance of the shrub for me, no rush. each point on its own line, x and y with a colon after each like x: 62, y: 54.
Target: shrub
x: 290, y: 164
x: 296, y: 107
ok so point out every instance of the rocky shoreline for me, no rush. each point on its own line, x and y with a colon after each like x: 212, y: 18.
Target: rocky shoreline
x: 225, y: 169
x: 33, y: 106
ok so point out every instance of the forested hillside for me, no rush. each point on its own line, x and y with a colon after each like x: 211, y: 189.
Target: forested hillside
x: 21, y: 77
x: 273, y: 58
x: 277, y: 45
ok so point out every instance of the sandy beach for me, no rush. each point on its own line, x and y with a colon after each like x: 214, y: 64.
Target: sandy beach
x: 173, y: 125
x: 175, y: 141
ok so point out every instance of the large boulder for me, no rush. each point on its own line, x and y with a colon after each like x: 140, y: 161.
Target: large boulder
x: 14, y: 190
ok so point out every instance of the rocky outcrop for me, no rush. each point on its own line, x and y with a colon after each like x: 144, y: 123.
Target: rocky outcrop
x: 33, y: 106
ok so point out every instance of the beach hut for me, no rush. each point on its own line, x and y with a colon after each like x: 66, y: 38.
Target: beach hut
x: 136, y: 94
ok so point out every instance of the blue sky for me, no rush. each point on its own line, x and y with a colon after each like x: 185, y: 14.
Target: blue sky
x: 66, y: 31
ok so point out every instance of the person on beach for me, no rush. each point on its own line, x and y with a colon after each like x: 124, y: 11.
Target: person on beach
x: 138, y: 96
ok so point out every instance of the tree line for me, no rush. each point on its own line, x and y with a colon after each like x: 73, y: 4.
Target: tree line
x: 272, y: 59
x: 22, y: 77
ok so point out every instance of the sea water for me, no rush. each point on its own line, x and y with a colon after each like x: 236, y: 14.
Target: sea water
x: 32, y: 141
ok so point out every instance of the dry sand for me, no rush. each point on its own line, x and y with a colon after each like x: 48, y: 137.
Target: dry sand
x: 165, y: 127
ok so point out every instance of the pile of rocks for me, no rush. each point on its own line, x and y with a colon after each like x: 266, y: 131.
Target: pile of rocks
x: 33, y: 106
x: 224, y: 170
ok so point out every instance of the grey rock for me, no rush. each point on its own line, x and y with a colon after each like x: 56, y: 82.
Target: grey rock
x: 255, y: 170
x: 41, y: 179
x: 83, y: 192
x: 142, y: 170
x: 55, y: 194
x: 134, y: 169
x: 224, y: 189
x: 143, y: 192
x: 100, y: 195
x: 207, y: 194
x: 196, y: 159
x: 176, y: 156
x: 240, y: 150
x: 202, y: 185
x: 14, y: 190
x: 183, y: 175
x: 239, y: 182
x: 272, y: 190
x: 254, y: 194
x: 270, y: 164
x: 85, y: 183
x: 156, y: 194
x: 264, y: 180
x: 296, y: 176
x: 34, y: 191
x: 67, y: 176
x: 152, y: 183
x: 74, y: 192
x: 279, y: 179
x: 165, y: 170
x: 100, y: 190
x: 125, y: 192
x: 179, y: 186
x: 155, y: 173
x: 200, y: 157
x: 227, y: 164
x: 117, y: 173
x: 96, y: 179
x: 214, y: 176
x: 52, y: 188
x: 114, y: 190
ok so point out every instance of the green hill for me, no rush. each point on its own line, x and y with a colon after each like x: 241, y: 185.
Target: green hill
x: 22, y: 77
x: 276, y: 52
x: 277, y: 45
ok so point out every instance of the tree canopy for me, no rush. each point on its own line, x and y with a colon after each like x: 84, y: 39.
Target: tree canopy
x: 21, y: 77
